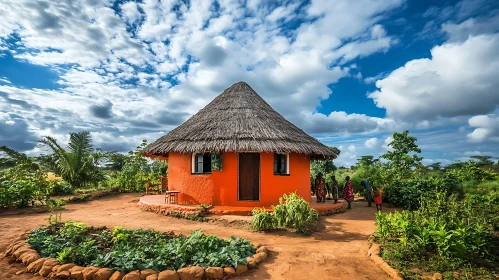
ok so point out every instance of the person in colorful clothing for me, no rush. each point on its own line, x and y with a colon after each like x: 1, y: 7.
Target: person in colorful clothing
x: 369, y: 193
x: 377, y: 199
x: 335, y: 189
x: 320, y: 184
x: 348, y: 192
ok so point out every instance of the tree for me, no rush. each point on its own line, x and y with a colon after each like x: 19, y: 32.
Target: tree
x: 12, y: 157
x: 366, y: 161
x: 483, y: 160
x: 137, y: 171
x: 115, y: 161
x: 402, y: 159
x: 436, y: 166
x: 78, y: 164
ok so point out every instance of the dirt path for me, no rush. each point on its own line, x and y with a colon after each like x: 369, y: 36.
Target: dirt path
x: 336, y: 252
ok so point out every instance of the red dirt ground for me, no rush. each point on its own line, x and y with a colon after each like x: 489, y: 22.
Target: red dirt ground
x: 338, y: 251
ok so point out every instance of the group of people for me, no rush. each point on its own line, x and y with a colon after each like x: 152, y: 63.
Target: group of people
x: 348, y: 195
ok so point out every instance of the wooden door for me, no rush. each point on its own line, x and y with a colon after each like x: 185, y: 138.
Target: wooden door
x: 249, y: 176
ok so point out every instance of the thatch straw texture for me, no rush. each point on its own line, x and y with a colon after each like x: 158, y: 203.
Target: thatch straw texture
x: 238, y: 120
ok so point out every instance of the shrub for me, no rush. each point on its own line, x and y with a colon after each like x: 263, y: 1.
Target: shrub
x: 55, y: 187
x: 20, y: 186
x: 407, y: 193
x: 127, y: 250
x: 292, y: 212
x: 263, y: 220
x: 136, y: 172
x: 443, y: 231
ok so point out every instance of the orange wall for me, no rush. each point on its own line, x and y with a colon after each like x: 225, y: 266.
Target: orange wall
x: 221, y: 187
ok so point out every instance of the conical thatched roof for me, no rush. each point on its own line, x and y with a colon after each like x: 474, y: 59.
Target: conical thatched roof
x: 238, y: 120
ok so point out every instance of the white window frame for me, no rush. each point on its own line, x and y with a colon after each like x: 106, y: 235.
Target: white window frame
x: 193, y: 164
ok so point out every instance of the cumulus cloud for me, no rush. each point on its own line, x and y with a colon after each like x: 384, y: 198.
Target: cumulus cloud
x: 15, y: 133
x: 487, y: 128
x: 158, y: 62
x: 372, y: 143
x: 459, y: 79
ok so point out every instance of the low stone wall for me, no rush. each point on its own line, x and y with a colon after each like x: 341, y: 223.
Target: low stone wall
x: 374, y: 254
x: 171, y: 209
x: 20, y: 251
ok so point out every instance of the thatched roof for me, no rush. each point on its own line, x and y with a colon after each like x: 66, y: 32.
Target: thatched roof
x: 238, y: 120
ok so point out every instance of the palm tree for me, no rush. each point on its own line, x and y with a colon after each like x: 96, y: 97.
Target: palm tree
x: 12, y: 157
x: 78, y: 164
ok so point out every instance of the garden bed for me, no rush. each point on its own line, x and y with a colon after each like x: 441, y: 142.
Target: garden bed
x: 74, y: 250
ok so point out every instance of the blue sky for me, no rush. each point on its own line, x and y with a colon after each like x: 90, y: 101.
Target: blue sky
x: 348, y: 72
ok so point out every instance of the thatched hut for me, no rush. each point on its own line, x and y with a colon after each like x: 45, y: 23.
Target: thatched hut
x: 238, y: 151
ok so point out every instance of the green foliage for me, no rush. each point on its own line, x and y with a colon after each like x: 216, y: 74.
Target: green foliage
x: 137, y: 171
x: 292, y: 212
x: 407, y: 193
x: 55, y: 187
x: 263, y: 220
x: 402, y: 158
x: 374, y: 173
x: 470, y: 171
x: 443, y: 232
x: 127, y: 250
x: 78, y: 164
x: 20, y: 186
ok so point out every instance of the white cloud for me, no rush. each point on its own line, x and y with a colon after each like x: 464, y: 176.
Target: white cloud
x: 122, y: 70
x: 487, y: 128
x: 459, y: 79
x: 5, y: 80
x: 130, y: 11
x: 372, y: 143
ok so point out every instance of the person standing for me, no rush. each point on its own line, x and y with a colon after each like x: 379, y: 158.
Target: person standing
x: 377, y: 199
x: 335, y: 189
x: 320, y: 184
x: 348, y: 192
x: 369, y: 192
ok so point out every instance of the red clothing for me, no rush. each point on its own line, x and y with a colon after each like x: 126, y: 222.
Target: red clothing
x: 320, y: 183
x: 348, y: 191
x: 377, y: 197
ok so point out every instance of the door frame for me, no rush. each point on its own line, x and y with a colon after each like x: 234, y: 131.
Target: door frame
x: 259, y: 175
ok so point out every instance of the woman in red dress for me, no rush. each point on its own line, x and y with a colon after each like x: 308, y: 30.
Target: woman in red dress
x: 320, y: 184
x: 377, y: 199
x: 348, y: 192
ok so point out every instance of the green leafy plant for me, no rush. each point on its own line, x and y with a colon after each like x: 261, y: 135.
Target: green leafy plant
x: 136, y: 171
x: 292, y: 212
x: 263, y: 220
x: 127, y: 249
x: 444, y: 233
x: 78, y: 164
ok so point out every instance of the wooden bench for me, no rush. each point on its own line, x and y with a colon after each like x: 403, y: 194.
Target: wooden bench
x: 171, y: 197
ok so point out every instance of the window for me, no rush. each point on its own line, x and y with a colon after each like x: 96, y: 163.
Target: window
x: 281, y: 164
x: 202, y: 163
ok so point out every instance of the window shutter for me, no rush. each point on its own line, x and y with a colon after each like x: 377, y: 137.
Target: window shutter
x: 216, y: 162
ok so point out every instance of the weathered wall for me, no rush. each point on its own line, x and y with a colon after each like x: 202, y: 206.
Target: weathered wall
x: 220, y: 187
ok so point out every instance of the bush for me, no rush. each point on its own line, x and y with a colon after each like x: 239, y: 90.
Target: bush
x: 55, y: 187
x: 292, y: 212
x: 136, y: 172
x: 19, y: 187
x: 407, y: 193
x: 263, y: 220
x: 443, y: 231
x: 127, y: 250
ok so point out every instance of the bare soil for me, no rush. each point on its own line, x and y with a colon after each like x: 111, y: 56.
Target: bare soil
x: 337, y: 251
